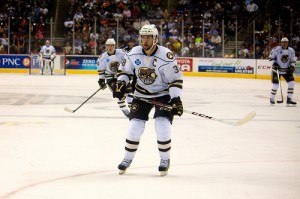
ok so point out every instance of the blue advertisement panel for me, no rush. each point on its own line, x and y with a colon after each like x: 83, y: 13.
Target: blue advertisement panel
x: 219, y: 65
x: 227, y: 69
x: 83, y: 63
x: 217, y: 69
x: 14, y: 61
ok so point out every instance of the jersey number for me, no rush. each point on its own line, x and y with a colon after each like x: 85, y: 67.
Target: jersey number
x: 176, y: 69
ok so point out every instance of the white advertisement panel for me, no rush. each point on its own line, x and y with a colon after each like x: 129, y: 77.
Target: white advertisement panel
x: 220, y: 65
x: 264, y: 67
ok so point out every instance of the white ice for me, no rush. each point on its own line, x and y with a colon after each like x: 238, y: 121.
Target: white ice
x: 47, y: 153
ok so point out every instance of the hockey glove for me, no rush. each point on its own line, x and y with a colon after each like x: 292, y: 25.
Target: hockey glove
x: 119, y: 89
x: 275, y: 66
x: 102, y: 84
x: 177, y: 108
x: 291, y: 69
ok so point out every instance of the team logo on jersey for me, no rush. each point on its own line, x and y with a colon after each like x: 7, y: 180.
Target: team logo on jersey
x: 113, y: 66
x: 134, y: 107
x: 170, y: 55
x: 147, y: 75
x: 284, y: 58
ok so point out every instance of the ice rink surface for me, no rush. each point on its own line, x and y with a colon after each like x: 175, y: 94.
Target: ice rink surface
x: 48, y: 153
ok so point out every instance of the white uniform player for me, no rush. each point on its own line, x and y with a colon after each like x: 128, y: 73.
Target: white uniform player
x: 108, y: 65
x: 283, y: 61
x: 158, y: 78
x: 47, y: 56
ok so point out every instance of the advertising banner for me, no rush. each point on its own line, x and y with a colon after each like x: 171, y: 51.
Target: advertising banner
x: 36, y: 63
x: 219, y: 65
x: 264, y: 67
x: 297, y: 69
x: 14, y: 61
x: 83, y: 63
x: 185, y: 64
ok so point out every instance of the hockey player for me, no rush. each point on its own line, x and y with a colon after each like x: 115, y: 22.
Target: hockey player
x: 283, y: 61
x: 108, y: 65
x: 159, y: 79
x: 47, y: 56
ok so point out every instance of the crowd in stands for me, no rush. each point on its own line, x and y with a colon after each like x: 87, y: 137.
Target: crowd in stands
x: 193, y: 28
x: 17, y: 19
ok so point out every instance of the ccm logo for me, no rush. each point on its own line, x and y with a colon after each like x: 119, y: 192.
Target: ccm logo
x: 264, y: 67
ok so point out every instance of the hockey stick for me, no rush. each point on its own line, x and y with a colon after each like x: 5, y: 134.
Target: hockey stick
x: 240, y: 122
x: 279, y: 101
x: 73, y: 111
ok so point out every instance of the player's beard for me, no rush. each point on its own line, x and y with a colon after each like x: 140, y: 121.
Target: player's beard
x: 147, y: 47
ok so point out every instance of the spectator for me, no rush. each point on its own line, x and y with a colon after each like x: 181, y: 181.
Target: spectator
x: 130, y: 45
x: 216, y: 41
x: 207, y: 15
x: 93, y: 45
x: 43, y: 10
x: 166, y: 14
x: 14, y: 49
x: 185, y: 52
x: 2, y: 49
x: 126, y: 12
x: 151, y: 13
x: 252, y: 7
x: 209, y: 49
x: 198, y: 40
x: 67, y: 48
x: 78, y: 15
x: 230, y: 28
x: 68, y: 24
x: 193, y: 50
x: 243, y: 52
x: 267, y: 27
x: 88, y: 5
x: 159, y: 13
x: 21, y: 45
x: 258, y: 52
x: 4, y: 40
x: 177, y: 47
x: 78, y: 40
x: 135, y: 11
x: 77, y: 49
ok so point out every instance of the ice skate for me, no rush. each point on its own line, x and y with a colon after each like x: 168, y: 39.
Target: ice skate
x: 164, y: 167
x: 124, y: 165
x: 289, y: 102
x: 272, y: 102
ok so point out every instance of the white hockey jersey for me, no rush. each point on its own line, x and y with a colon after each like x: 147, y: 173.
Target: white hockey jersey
x: 108, y: 65
x: 47, y: 51
x: 156, y: 75
x: 283, y: 57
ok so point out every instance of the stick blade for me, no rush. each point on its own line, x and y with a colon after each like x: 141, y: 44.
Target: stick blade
x: 69, y: 110
x: 246, y: 119
x: 279, y: 102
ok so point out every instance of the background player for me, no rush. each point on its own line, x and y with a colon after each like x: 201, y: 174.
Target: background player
x: 158, y: 78
x: 47, y: 56
x: 108, y: 65
x: 283, y: 62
